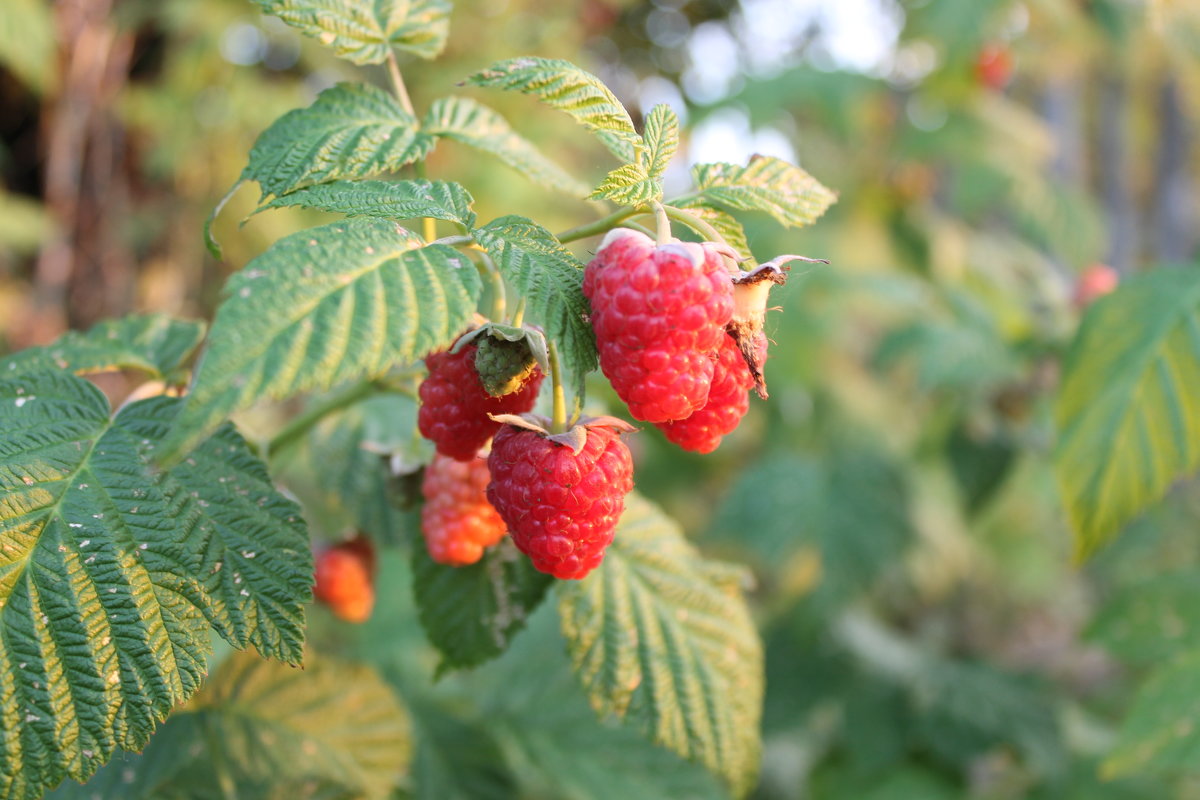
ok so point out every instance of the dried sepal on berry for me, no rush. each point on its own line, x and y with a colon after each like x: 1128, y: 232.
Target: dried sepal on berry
x: 750, y: 292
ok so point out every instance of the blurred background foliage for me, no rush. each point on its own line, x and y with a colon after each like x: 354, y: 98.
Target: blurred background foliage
x: 927, y: 633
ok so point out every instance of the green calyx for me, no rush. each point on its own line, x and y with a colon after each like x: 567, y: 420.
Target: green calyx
x: 503, y: 366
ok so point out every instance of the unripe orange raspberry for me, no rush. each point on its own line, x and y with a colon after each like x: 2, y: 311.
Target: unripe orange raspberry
x: 344, y: 581
x: 457, y: 520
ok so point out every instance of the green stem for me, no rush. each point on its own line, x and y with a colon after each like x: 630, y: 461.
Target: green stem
x: 499, y: 291
x: 558, y: 419
x: 398, y: 83
x: 662, y: 224
x: 695, y: 223
x: 599, y: 226
x: 454, y: 241
x: 519, y: 314
x: 303, y: 422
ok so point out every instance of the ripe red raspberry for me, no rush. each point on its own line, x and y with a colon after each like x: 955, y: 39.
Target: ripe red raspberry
x: 455, y: 406
x: 728, y: 401
x: 457, y: 520
x: 561, y: 504
x: 658, y: 311
x: 344, y: 580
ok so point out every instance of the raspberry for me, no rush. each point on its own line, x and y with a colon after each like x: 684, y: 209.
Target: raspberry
x: 728, y: 401
x: 455, y: 407
x: 344, y: 581
x: 658, y: 312
x: 561, y: 504
x: 457, y: 520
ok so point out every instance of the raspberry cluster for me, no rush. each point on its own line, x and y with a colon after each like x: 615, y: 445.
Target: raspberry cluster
x: 680, y: 338
x: 457, y: 520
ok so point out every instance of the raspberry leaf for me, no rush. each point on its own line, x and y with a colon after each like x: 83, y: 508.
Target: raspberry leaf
x: 265, y: 730
x: 156, y: 344
x: 1159, y: 736
x: 564, y: 86
x: 394, y: 200
x: 629, y: 185
x: 550, y: 279
x: 662, y: 139
x: 663, y: 638
x: 533, y: 702
x: 472, y: 613
x: 350, y: 131
x: 786, y: 192
x: 476, y: 125
x: 114, y: 573
x: 1128, y: 411
x: 321, y: 307
x: 364, y: 31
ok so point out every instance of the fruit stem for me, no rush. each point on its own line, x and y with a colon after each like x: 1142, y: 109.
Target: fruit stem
x: 662, y: 223
x: 696, y: 224
x: 303, y: 422
x: 499, y: 291
x: 558, y: 419
x: 519, y: 313
x: 398, y: 83
x: 599, y: 226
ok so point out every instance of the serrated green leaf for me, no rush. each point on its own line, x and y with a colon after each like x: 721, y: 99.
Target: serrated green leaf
x: 474, y: 124
x: 27, y: 41
x: 364, y: 31
x: 350, y: 131
x: 664, y: 638
x: 628, y: 185
x: 337, y: 471
x: 1160, y: 736
x: 968, y: 709
x: 112, y: 572
x: 850, y: 509
x: 550, y: 279
x: 538, y: 711
x: 153, y: 343
x: 264, y: 730
x: 725, y: 223
x: 564, y: 86
x: 1129, y: 408
x: 1153, y: 620
x: 324, y: 306
x: 472, y: 613
x: 662, y: 139
x: 385, y: 199
x: 786, y: 192
x: 457, y: 759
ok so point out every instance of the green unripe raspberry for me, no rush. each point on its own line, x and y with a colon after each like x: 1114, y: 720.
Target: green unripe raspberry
x: 503, y: 366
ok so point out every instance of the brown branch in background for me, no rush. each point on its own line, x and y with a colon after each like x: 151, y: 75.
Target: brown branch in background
x: 1173, y: 199
x: 1112, y: 151
x: 82, y: 273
